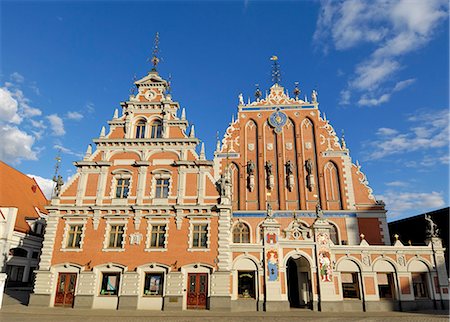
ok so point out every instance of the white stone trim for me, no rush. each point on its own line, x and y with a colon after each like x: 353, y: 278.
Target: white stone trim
x: 236, y: 222
x: 150, y: 223
x: 120, y: 174
x: 109, y: 223
x: 73, y: 222
x: 193, y: 222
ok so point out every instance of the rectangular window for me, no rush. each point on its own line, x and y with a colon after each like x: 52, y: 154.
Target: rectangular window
x: 15, y: 273
x: 153, y: 284
x: 350, y: 285
x: 162, y: 188
x: 116, y: 236
x: 246, y: 284
x: 419, y: 281
x: 122, y: 188
x: 385, y: 285
x: 74, y: 237
x: 200, y: 236
x: 140, y: 130
x: 158, y: 237
x: 110, y: 284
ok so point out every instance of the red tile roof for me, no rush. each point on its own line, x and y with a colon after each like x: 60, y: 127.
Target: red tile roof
x: 22, y: 192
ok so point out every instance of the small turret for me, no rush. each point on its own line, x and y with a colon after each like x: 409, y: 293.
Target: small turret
x: 183, y: 114
x: 192, y: 132
x: 102, y: 132
x: 202, y: 152
x: 88, y: 152
x: 116, y: 114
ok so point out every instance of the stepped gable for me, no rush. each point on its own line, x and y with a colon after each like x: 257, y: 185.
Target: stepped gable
x: 303, y: 134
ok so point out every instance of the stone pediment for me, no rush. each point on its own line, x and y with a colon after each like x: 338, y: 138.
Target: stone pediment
x: 277, y: 96
x: 152, y: 78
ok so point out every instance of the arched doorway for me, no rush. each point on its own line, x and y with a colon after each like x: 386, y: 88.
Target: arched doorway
x: 299, y: 282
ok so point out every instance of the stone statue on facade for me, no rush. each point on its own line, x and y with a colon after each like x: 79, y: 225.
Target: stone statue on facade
x: 241, y: 99
x: 251, y: 175
x: 269, y: 175
x: 314, y: 96
x: 432, y: 229
x: 309, y: 175
x: 59, y: 183
x: 319, y: 211
x: 290, y: 175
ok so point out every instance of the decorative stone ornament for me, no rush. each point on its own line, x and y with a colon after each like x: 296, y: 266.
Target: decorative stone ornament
x: 135, y: 238
x: 277, y: 120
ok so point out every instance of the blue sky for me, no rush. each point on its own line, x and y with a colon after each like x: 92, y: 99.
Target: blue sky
x: 380, y: 67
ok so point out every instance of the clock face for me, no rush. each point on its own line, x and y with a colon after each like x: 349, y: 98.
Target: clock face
x: 277, y: 120
x: 150, y: 95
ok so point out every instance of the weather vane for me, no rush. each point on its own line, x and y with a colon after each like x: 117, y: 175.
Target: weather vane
x: 133, y: 86
x: 155, y: 59
x: 276, y: 74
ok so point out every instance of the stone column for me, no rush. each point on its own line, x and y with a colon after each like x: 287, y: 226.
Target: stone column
x: 326, y: 289
x: 273, y: 297
x: 220, y: 298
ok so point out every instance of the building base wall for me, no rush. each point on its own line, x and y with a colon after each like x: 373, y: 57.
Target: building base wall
x: 220, y: 303
x: 128, y: 302
x: 277, y: 306
x: 173, y: 303
x: 83, y: 301
x: 383, y: 305
x: 244, y: 305
x: 39, y: 300
x: 342, y: 306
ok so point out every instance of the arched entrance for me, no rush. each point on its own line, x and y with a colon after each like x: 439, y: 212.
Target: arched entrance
x: 299, y: 282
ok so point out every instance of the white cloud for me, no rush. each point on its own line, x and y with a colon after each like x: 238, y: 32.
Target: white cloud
x: 385, y: 131
x: 432, y: 136
x: 67, y: 151
x: 74, y: 116
x: 8, y: 107
x: 397, y: 184
x: 394, y: 27
x: 17, y: 78
x: 403, y: 84
x: 38, y: 124
x: 399, y: 202
x: 366, y: 101
x: 19, y: 145
x: 46, y: 185
x: 56, y: 124
x: 345, y: 97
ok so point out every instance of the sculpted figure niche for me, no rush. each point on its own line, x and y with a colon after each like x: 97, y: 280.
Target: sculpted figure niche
x: 251, y: 175
x: 309, y: 175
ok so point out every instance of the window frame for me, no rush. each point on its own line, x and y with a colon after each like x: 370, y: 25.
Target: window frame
x: 192, y: 232
x: 106, y: 240
x: 102, y: 284
x: 148, y: 275
x: 240, y: 233
x: 353, y: 286
x: 162, y: 188
x: 424, y: 283
x: 254, y: 278
x: 156, y: 129
x: 140, y: 129
x: 391, y: 286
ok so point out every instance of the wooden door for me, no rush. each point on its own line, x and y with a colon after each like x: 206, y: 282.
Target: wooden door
x: 197, y: 291
x: 65, y: 291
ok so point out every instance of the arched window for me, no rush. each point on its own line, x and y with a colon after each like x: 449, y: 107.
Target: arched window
x: 140, y: 129
x: 334, y: 235
x: 156, y: 131
x: 241, y: 233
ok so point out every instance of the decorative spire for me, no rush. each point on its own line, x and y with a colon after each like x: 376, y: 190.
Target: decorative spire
x: 102, y: 132
x: 276, y: 74
x: 258, y: 93
x: 202, y: 152
x: 296, y: 91
x: 155, y: 59
x: 314, y: 96
x: 88, y: 152
x: 217, y: 142
x: 116, y: 114
x: 192, y: 133
x: 343, y: 144
x: 183, y: 114
x: 169, y: 84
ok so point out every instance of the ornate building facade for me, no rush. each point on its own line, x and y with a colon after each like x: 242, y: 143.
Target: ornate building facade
x: 280, y: 218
